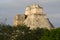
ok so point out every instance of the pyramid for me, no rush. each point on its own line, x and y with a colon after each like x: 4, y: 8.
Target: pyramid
x: 34, y: 17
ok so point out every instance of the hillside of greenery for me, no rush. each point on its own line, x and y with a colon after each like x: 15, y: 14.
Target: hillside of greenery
x: 8, y: 32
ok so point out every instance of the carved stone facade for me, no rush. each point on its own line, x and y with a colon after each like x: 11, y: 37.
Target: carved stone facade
x: 33, y: 18
x: 33, y: 9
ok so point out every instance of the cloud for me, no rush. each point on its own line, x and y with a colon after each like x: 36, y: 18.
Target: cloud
x: 20, y: 3
x: 9, y: 8
x: 5, y: 1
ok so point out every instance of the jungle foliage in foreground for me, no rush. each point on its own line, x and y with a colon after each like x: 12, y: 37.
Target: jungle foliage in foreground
x: 8, y: 32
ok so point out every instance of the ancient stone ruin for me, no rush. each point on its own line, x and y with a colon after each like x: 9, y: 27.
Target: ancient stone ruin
x: 33, y: 18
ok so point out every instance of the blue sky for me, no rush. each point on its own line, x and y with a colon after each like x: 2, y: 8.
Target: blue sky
x: 9, y: 8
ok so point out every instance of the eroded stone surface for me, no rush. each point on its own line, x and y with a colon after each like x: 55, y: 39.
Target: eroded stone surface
x: 34, y: 21
x: 33, y: 18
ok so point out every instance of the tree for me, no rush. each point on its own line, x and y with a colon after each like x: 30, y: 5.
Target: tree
x: 54, y: 34
x: 23, y: 32
x: 5, y: 32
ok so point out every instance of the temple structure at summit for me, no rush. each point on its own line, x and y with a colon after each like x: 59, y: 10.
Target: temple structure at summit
x: 33, y: 17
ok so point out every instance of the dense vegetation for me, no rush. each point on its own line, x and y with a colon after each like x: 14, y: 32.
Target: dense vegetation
x: 8, y: 32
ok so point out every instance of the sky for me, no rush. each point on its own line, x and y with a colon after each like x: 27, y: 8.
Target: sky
x: 10, y: 8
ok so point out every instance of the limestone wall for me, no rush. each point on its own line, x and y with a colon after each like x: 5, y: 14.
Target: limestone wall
x: 18, y: 20
x: 34, y: 21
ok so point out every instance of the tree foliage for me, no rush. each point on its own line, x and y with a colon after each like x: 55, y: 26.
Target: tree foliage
x: 23, y: 32
x: 54, y: 34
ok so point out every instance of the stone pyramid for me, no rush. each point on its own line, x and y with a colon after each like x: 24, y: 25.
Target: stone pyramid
x: 34, y: 17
